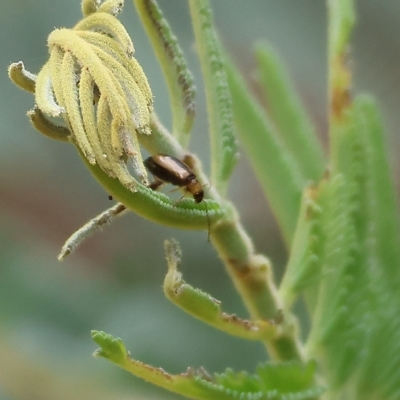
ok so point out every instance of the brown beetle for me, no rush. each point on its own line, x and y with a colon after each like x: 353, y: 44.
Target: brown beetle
x: 168, y: 169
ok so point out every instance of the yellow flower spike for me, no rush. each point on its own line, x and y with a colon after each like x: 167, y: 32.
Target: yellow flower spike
x: 113, y: 7
x: 104, y: 128
x: 130, y: 64
x: 89, y: 7
x: 72, y: 107
x: 103, y: 125
x: 86, y: 88
x: 21, y: 77
x: 137, y: 72
x: 57, y: 79
x: 128, y: 106
x: 136, y: 101
x: 44, y: 94
x: 104, y: 23
x: 48, y: 128
x: 122, y: 133
x: 92, y: 82
x: 123, y: 121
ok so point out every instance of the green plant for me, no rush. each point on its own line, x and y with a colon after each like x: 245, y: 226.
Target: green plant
x: 338, y: 215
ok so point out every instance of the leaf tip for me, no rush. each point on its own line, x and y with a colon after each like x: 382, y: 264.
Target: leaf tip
x: 111, y: 348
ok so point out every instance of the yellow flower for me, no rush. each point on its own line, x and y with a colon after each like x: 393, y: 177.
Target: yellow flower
x: 93, y: 92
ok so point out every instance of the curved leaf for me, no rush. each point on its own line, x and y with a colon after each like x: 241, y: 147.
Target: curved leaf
x: 224, y: 152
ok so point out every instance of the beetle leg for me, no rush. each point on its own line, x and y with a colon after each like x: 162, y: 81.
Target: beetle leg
x: 155, y: 185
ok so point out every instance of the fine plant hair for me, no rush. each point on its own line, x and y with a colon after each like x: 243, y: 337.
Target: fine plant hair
x: 337, y: 212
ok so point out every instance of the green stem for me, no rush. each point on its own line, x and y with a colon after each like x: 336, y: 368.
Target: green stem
x: 252, y: 276
x: 341, y: 23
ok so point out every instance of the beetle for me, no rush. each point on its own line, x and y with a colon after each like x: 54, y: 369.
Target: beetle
x: 169, y: 169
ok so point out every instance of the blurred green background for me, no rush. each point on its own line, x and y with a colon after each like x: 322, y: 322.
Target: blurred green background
x: 113, y: 282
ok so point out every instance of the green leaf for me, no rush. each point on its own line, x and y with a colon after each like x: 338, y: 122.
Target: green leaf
x: 172, y: 61
x: 355, y: 327
x: 340, y: 311
x: 273, y: 381
x: 381, y: 202
x: 288, y: 113
x: 339, y: 321
x: 274, y: 165
x: 341, y: 22
x: 294, y: 378
x: 224, y: 153
x: 286, y: 381
x: 305, y: 262
x: 382, y: 259
x: 204, y: 307
x: 113, y: 349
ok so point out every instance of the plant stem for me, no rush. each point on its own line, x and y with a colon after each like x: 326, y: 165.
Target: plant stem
x: 252, y: 276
